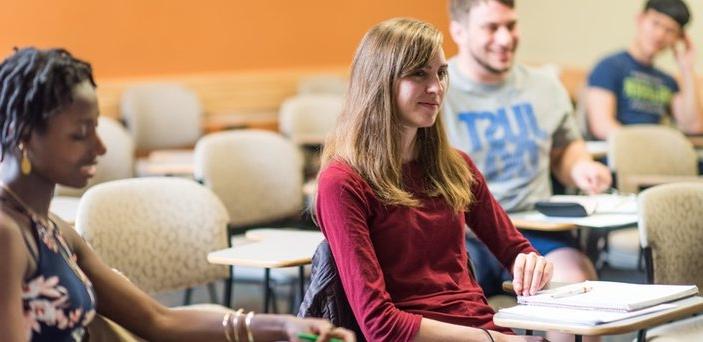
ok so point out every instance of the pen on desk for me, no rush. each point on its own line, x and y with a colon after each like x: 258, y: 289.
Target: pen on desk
x: 303, y: 336
x: 573, y: 292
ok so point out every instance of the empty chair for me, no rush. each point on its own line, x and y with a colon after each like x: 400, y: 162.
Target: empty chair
x: 671, y: 228
x: 306, y: 119
x: 259, y: 177
x: 643, y: 151
x: 161, y: 116
x: 257, y: 174
x: 156, y: 231
x: 322, y: 84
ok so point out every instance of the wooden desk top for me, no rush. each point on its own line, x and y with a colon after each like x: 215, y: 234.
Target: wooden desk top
x: 597, y: 149
x: 528, y: 224
x: 272, y: 248
x: 220, y: 122
x: 167, y: 163
x: 261, y: 234
x: 684, y: 307
x: 696, y: 140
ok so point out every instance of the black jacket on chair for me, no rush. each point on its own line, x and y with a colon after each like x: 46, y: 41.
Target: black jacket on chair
x: 325, y: 296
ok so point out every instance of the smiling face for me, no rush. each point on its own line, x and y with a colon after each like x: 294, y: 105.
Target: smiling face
x: 65, y: 152
x: 420, y: 93
x: 487, y: 39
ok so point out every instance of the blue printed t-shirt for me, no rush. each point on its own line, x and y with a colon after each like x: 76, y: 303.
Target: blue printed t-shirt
x: 509, y: 130
x: 643, y: 92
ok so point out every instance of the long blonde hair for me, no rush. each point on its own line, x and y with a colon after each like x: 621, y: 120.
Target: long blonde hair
x: 368, y: 132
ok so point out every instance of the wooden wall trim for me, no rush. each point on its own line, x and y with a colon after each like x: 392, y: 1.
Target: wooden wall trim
x: 246, y: 92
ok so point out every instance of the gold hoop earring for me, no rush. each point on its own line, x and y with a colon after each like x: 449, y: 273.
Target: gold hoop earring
x: 25, y: 164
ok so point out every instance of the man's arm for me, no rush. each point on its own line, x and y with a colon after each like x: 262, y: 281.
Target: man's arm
x: 573, y: 166
x: 601, y: 107
x: 686, y: 105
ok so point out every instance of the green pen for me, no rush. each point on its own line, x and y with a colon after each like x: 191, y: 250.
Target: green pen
x: 312, y: 337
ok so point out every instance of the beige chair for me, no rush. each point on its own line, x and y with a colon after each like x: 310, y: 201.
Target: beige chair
x: 156, y: 231
x: 649, y: 150
x: 306, y: 119
x: 259, y: 177
x: 671, y: 230
x: 162, y: 116
x: 322, y: 84
x: 257, y: 174
x: 637, y: 154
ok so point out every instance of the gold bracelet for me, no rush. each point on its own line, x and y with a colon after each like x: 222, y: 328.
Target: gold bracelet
x: 235, y: 327
x: 225, y: 325
x: 247, y: 325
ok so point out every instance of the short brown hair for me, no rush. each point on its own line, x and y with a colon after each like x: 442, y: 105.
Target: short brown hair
x: 459, y: 9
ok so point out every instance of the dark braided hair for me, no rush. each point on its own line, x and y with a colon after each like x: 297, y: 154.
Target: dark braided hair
x: 34, y: 85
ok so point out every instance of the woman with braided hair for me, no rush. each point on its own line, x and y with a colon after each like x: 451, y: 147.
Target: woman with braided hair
x: 51, y: 282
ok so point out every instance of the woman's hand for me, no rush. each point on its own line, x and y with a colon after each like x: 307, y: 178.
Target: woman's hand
x: 320, y: 327
x: 531, y: 272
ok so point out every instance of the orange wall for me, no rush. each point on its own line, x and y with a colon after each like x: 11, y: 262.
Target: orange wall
x: 127, y: 38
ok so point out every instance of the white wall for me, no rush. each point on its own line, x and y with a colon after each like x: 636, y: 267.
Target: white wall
x: 576, y: 33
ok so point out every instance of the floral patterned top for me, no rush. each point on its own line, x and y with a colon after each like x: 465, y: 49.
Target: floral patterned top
x: 58, y: 298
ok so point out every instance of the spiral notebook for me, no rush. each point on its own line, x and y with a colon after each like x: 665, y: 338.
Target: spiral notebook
x: 609, y: 296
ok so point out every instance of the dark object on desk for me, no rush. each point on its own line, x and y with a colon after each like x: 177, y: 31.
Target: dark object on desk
x: 561, y: 209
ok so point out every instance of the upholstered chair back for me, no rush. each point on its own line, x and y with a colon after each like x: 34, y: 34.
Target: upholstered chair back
x: 156, y: 231
x: 671, y: 227
x: 257, y: 174
x: 649, y: 150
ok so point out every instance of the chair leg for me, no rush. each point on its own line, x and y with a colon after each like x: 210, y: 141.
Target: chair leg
x: 274, y: 300
x: 228, y: 288
x: 213, y: 292
x: 188, y: 296
x: 292, y: 300
x: 267, y: 289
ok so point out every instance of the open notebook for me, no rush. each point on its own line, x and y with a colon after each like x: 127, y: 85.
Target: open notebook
x: 609, y: 296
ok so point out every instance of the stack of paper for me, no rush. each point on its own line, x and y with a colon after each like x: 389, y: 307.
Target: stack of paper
x: 596, y: 302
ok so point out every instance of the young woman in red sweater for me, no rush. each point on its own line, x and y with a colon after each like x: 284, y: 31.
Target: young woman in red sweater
x: 394, y: 199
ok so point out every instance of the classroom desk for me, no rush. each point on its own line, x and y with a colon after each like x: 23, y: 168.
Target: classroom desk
x: 167, y: 163
x: 609, y: 212
x: 271, y: 248
x: 533, y: 220
x: 696, y: 140
x: 597, y: 148
x: 684, y: 307
x: 221, y: 122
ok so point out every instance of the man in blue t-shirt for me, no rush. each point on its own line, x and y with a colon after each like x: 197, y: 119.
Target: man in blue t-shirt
x: 625, y: 88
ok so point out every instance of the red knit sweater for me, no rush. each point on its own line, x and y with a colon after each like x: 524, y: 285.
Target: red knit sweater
x: 399, y: 264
